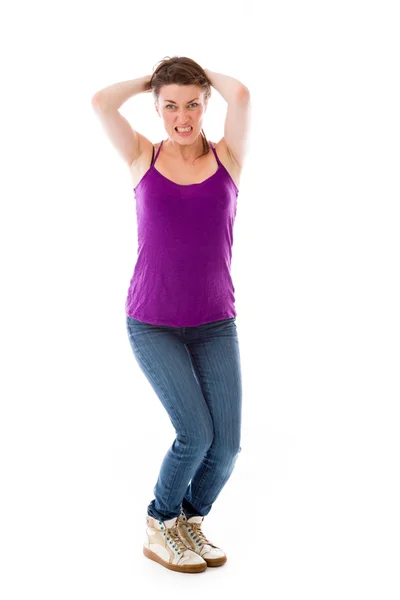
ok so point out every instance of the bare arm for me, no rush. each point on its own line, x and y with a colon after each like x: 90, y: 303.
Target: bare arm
x: 237, y: 121
x: 227, y: 86
x: 128, y: 142
x: 116, y: 94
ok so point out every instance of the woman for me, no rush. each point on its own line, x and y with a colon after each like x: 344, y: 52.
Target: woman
x: 180, y: 313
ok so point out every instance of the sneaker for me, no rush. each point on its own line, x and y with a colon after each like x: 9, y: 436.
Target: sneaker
x: 194, y: 538
x: 164, y: 545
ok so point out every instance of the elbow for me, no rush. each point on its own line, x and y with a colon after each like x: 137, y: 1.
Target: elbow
x: 243, y: 92
x: 96, y: 100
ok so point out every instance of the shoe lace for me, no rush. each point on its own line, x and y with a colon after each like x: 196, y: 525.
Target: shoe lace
x: 173, y: 536
x: 199, y: 536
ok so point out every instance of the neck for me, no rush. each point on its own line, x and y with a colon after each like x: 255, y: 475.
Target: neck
x: 185, y: 152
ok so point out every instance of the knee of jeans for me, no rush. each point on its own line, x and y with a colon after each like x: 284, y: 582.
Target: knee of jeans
x: 201, y: 440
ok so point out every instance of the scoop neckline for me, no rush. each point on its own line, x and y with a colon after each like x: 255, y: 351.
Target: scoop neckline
x: 186, y: 184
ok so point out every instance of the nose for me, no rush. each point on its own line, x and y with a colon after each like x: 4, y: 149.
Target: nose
x: 182, y: 118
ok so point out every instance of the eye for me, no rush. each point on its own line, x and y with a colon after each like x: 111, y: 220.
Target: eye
x: 196, y: 103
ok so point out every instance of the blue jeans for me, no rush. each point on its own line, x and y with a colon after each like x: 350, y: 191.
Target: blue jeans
x: 196, y: 374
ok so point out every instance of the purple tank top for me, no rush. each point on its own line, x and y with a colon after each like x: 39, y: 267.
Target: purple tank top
x: 185, y: 235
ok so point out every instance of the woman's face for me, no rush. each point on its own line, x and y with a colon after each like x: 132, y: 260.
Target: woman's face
x: 180, y: 106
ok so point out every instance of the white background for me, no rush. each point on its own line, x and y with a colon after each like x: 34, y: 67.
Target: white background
x: 311, y: 509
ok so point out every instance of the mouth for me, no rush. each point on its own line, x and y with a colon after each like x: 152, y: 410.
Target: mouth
x: 186, y: 130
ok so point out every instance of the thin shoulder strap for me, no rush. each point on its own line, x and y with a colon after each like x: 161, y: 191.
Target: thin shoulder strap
x: 215, y: 152
x: 158, y: 152
x: 152, y: 156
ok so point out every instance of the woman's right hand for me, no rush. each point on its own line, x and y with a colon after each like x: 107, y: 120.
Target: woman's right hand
x: 146, y: 83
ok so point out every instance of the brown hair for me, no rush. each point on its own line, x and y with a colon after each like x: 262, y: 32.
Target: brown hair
x: 181, y: 71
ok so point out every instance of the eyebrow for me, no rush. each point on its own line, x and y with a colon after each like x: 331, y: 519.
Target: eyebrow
x: 173, y: 101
